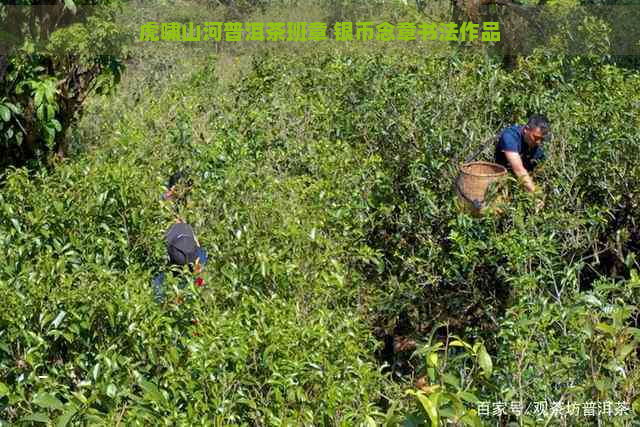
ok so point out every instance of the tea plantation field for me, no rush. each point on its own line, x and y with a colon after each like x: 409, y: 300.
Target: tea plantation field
x: 344, y: 285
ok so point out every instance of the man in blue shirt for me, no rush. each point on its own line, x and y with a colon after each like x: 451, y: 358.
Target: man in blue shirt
x: 519, y: 148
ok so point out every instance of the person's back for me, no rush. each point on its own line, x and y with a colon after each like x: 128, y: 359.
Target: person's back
x: 183, y: 249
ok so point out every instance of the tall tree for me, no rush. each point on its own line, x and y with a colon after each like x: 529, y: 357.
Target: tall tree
x: 53, y: 55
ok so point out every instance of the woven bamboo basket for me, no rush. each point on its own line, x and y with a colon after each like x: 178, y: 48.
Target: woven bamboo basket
x: 472, y: 183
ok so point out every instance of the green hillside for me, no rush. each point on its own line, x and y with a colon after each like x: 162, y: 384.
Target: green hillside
x: 344, y: 284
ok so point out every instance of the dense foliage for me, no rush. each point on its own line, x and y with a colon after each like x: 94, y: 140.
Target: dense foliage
x: 322, y: 189
x: 570, y: 270
x: 54, y: 62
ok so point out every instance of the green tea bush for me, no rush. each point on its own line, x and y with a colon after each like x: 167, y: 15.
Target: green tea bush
x: 267, y: 340
x: 323, y: 195
x: 426, y: 262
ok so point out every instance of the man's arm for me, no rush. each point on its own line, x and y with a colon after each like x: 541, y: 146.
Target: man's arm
x: 518, y: 168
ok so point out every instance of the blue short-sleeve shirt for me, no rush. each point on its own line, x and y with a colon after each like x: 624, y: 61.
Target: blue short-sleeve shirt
x: 512, y: 139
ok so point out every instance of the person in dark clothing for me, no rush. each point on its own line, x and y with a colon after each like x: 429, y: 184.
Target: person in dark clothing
x: 519, y: 148
x: 183, y: 248
x: 179, y: 179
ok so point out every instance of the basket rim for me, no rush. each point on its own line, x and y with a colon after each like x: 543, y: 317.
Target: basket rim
x: 502, y: 169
